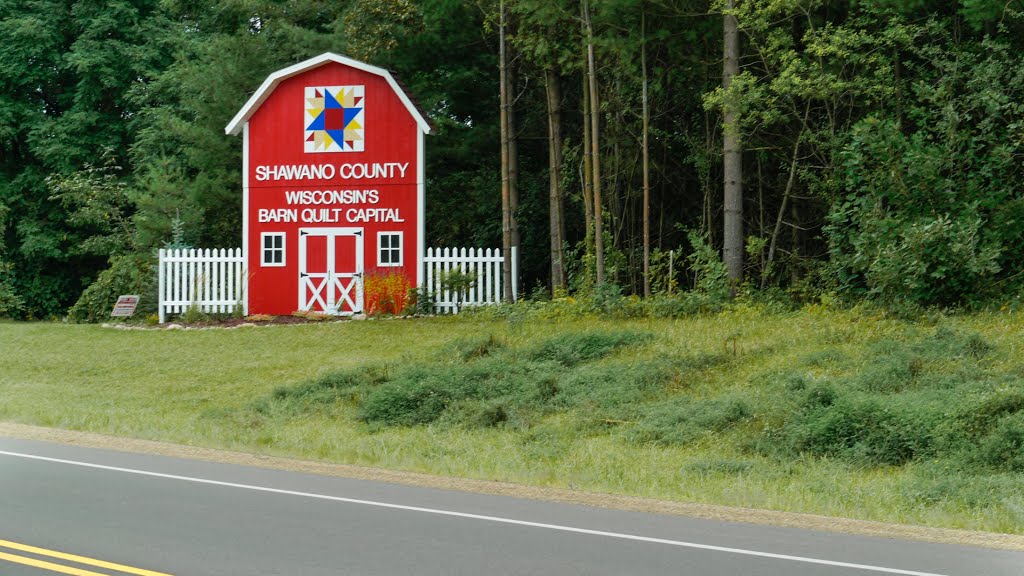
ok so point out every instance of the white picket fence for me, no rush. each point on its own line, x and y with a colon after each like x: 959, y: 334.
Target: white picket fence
x: 212, y: 280
x: 484, y: 266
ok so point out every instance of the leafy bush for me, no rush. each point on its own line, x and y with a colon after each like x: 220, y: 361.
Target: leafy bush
x: 194, y: 315
x: 607, y: 299
x: 891, y: 372
x: 466, y: 349
x: 664, y: 271
x: 128, y: 274
x: 612, y: 389
x: 681, y: 421
x: 818, y: 396
x: 482, y: 382
x: 865, y: 430
x: 572, y: 349
x: 959, y: 344
x: 978, y: 418
x: 487, y: 376
x: 419, y: 301
x: 928, y: 206
x: 10, y: 303
x: 421, y: 394
x: 1003, y: 449
x: 342, y: 385
x: 457, y: 282
x: 419, y: 400
x: 478, y: 413
x: 332, y: 384
x: 894, y: 366
x: 931, y: 261
x: 711, y: 283
x: 670, y: 306
x: 931, y: 406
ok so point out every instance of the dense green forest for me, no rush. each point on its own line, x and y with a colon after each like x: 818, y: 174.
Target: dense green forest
x: 868, y: 149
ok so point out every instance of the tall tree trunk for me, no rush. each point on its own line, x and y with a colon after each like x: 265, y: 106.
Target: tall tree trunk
x: 513, y: 155
x: 595, y: 139
x: 646, y: 161
x: 506, y: 207
x: 554, y: 97
x: 732, y: 161
x: 707, y: 226
x: 588, y: 171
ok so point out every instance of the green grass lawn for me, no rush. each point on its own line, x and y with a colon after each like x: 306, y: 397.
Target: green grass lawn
x: 841, y: 413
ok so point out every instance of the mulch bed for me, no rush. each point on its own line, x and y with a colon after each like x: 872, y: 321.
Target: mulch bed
x: 271, y: 321
x: 232, y: 322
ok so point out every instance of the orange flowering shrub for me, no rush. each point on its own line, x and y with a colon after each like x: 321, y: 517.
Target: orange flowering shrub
x: 386, y: 292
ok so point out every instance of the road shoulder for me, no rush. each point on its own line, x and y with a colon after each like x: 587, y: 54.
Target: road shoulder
x: 613, y: 501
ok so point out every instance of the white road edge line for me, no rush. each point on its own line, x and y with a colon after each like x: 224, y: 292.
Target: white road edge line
x: 497, y: 519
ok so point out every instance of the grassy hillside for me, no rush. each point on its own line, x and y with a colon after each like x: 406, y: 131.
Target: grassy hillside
x: 835, y: 412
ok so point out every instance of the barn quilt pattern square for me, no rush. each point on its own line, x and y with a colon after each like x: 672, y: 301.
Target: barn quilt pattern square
x: 335, y: 120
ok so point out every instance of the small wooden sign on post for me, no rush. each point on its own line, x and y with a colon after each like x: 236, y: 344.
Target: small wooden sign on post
x: 125, y: 306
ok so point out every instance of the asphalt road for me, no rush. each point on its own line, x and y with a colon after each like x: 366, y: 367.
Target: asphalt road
x: 121, y: 513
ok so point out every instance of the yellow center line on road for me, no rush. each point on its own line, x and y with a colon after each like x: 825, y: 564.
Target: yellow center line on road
x: 69, y: 557
x: 48, y: 565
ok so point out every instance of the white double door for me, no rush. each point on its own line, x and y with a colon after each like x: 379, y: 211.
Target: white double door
x: 331, y: 270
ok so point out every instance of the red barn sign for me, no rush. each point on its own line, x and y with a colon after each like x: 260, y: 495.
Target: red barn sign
x: 332, y: 184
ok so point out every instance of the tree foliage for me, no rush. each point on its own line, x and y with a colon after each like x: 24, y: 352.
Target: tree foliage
x: 882, y: 138
x: 929, y: 194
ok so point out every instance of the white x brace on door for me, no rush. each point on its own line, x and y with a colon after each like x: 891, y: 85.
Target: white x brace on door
x: 331, y: 270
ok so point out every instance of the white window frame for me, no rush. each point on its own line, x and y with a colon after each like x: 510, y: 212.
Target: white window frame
x: 400, y: 248
x: 264, y: 251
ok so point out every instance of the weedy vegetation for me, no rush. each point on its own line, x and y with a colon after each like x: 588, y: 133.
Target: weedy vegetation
x: 853, y: 413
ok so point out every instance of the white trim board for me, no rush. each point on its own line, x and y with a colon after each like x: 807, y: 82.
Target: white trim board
x: 245, y: 217
x: 421, y: 208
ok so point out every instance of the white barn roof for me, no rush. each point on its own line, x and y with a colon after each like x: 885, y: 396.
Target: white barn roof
x: 267, y: 88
